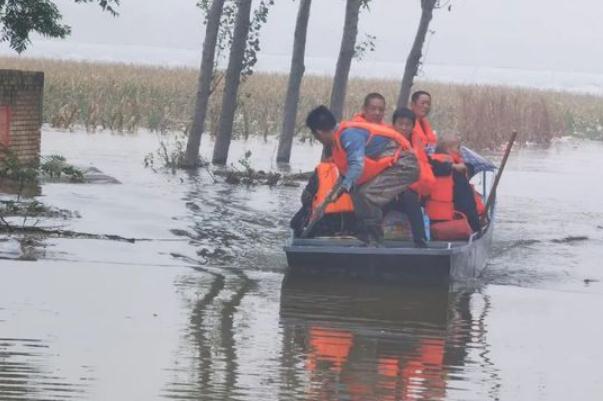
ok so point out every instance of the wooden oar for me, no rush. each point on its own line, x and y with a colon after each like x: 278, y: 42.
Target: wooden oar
x: 319, y: 212
x: 492, y: 194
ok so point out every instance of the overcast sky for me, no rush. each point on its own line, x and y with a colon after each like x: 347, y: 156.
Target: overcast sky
x: 558, y: 35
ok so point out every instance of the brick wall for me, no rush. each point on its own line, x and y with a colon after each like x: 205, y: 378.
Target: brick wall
x: 21, y: 112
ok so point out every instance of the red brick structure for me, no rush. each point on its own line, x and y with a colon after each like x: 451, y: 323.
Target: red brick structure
x: 21, y: 113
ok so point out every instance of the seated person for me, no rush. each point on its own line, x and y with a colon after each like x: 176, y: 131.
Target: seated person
x: 452, y: 190
x: 377, y: 163
x: 403, y: 122
x: 420, y: 104
x: 373, y: 109
x: 339, y: 216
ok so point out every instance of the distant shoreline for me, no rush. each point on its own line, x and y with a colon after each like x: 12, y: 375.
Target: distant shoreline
x: 575, y: 82
x: 126, y: 97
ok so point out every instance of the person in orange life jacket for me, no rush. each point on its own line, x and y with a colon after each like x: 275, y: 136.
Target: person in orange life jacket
x: 453, y: 165
x: 377, y: 165
x: 404, y: 122
x: 373, y: 109
x: 420, y: 104
x: 340, y: 221
x: 409, y: 201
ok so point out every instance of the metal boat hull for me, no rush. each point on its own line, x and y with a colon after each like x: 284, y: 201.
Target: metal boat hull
x: 441, y: 262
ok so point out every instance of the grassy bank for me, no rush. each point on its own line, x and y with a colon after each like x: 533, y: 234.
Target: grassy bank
x: 124, y: 98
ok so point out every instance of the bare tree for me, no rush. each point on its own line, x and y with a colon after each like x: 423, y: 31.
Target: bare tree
x: 232, y: 81
x: 346, y: 54
x: 295, y: 78
x: 416, y: 52
x: 214, y: 15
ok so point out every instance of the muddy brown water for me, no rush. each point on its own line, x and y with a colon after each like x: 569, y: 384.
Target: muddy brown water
x: 203, y: 311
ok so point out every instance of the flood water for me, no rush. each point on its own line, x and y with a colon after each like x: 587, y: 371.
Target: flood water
x: 200, y: 308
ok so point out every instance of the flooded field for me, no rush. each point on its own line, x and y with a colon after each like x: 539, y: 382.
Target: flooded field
x: 199, y: 306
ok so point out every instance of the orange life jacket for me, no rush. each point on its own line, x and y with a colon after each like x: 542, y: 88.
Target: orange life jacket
x: 328, y: 174
x: 440, y: 204
x: 359, y: 118
x: 424, y: 132
x: 372, y: 167
x: 426, y: 180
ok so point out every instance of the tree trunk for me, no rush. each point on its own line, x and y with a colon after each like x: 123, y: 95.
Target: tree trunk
x: 416, y: 52
x: 204, y: 85
x: 232, y: 81
x: 346, y: 53
x: 295, y: 78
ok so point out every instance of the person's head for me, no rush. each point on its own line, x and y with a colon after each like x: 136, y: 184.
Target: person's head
x: 373, y: 108
x: 403, y: 121
x: 420, y: 103
x: 322, y: 123
x: 448, y: 144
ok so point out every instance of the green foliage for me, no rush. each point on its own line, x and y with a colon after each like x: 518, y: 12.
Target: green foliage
x: 365, y: 46
x: 56, y: 166
x: 260, y: 16
x: 245, y: 161
x: 170, y: 154
x: 18, y: 18
x: 13, y: 170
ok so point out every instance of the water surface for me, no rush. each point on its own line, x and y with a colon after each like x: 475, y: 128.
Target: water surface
x: 202, y: 309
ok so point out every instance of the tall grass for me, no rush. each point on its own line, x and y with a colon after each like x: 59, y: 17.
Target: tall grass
x: 124, y: 98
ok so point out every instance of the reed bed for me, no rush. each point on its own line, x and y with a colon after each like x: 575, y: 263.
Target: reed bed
x: 125, y: 98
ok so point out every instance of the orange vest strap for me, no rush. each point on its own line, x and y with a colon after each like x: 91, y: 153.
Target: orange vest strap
x: 372, y: 167
x: 424, y: 132
x: 426, y: 181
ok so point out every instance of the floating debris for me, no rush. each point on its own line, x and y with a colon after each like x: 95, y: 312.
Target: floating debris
x: 570, y: 239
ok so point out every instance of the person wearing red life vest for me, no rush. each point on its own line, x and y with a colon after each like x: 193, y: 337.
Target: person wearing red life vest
x: 452, y: 190
x: 376, y: 162
x: 373, y: 109
x: 420, y: 104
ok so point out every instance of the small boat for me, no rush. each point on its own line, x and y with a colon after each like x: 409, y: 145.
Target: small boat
x: 441, y: 262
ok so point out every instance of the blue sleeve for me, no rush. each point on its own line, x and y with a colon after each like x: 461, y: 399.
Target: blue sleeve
x: 353, y: 141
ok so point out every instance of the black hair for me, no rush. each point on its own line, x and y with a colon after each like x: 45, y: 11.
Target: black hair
x: 404, y: 112
x: 371, y: 96
x: 320, y: 118
x: 415, y: 96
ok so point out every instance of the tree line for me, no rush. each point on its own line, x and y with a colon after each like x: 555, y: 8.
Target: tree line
x: 233, y: 26
x: 348, y: 49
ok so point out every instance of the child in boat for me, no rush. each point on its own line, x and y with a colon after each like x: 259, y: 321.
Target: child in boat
x: 409, y: 202
x: 450, y: 169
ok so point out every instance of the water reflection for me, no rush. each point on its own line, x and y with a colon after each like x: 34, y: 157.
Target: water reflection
x: 27, y: 373
x: 208, y: 366
x: 357, y: 342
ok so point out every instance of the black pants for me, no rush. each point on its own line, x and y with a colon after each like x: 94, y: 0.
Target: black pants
x: 370, y: 198
x: 464, y: 201
x: 409, y: 203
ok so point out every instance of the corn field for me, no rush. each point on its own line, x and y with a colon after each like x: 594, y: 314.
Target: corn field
x: 125, y: 98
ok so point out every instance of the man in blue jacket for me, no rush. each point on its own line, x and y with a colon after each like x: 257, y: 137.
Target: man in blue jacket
x: 370, y: 197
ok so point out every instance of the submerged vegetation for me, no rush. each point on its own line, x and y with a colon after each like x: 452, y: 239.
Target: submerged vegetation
x: 124, y: 98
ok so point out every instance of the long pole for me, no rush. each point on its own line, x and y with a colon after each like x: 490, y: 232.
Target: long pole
x: 492, y: 194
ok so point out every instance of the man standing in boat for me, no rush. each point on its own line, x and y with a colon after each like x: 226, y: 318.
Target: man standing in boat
x: 373, y: 109
x: 376, y: 162
x: 420, y: 104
